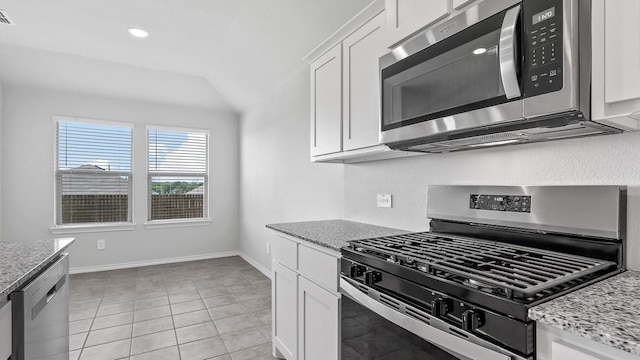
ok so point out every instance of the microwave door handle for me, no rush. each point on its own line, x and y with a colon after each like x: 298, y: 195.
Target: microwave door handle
x: 507, y: 53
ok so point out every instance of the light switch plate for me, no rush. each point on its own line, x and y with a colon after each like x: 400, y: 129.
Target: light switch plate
x: 101, y: 244
x: 383, y: 200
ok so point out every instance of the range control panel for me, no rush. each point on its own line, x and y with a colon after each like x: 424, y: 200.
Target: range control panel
x: 544, y: 46
x: 510, y: 203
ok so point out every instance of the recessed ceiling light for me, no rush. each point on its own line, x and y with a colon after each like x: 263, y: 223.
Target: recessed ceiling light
x: 137, y: 32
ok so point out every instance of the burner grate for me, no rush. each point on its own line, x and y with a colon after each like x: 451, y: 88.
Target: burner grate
x: 514, y: 269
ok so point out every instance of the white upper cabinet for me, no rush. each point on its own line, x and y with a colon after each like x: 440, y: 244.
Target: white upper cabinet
x: 616, y: 61
x: 345, y: 91
x: 459, y: 4
x: 406, y: 17
x: 361, y: 99
x: 326, y: 103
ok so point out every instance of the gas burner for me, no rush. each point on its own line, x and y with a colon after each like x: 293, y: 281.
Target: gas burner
x: 490, y: 266
x: 480, y: 285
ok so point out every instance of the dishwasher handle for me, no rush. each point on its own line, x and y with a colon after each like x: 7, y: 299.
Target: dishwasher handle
x: 47, y: 298
x: 52, y: 293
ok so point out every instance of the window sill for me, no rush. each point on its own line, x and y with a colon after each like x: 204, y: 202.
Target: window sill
x: 75, y: 229
x: 173, y: 223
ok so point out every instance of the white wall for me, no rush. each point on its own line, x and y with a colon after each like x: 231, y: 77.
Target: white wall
x: 613, y: 160
x: 278, y: 182
x: 28, y: 166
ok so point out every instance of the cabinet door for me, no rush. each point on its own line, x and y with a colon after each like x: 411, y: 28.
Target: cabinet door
x: 284, y: 291
x: 361, y: 85
x: 615, y: 59
x: 319, y: 267
x: 318, y: 322
x: 5, y: 331
x: 560, y: 351
x: 326, y: 103
x: 405, y: 17
x: 459, y: 4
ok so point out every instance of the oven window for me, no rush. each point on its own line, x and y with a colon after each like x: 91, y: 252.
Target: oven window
x: 368, y: 336
x: 457, y: 75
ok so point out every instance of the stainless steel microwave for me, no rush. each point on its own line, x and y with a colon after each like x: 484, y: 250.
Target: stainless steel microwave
x: 501, y: 72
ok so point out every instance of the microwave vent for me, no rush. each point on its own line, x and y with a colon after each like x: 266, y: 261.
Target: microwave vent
x: 484, y: 139
x: 471, y: 142
x: 4, y: 18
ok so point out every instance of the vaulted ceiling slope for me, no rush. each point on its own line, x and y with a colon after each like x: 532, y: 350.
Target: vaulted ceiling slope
x: 206, y: 53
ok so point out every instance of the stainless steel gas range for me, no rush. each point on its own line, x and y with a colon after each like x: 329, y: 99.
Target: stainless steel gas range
x: 463, y: 290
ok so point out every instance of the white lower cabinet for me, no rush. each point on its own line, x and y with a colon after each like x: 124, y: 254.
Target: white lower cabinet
x: 318, y: 322
x: 5, y: 331
x: 560, y: 350
x: 555, y: 344
x: 306, y: 301
x: 285, y: 310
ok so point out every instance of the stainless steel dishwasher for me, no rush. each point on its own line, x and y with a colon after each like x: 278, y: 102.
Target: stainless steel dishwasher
x: 41, y: 315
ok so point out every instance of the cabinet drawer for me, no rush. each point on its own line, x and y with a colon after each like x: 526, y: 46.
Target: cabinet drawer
x: 319, y: 267
x: 5, y: 331
x: 285, y: 251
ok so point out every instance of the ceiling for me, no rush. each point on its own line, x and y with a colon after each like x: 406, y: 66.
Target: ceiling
x: 206, y: 53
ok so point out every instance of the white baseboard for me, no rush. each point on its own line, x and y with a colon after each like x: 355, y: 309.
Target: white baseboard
x: 89, y: 269
x: 255, y: 264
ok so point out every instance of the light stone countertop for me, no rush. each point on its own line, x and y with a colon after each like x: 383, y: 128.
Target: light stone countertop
x: 607, y: 312
x: 20, y: 261
x: 333, y: 234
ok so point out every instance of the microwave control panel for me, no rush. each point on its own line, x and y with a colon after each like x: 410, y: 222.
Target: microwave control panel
x: 543, y: 46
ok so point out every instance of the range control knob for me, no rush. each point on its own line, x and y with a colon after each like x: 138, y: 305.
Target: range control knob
x: 472, y: 320
x: 356, y: 270
x: 441, y: 306
x: 372, y: 277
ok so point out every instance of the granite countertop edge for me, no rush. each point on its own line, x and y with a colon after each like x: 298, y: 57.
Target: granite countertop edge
x: 290, y: 233
x: 4, y: 294
x: 333, y: 234
x: 561, y: 323
x: 616, y: 329
x: 304, y: 238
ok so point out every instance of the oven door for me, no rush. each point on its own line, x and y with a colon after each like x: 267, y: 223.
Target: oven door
x: 373, y: 327
x: 466, y: 76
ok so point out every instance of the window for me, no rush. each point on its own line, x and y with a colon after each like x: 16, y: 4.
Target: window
x: 178, y: 173
x: 93, y: 171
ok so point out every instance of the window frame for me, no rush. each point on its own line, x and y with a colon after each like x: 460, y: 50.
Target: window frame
x: 177, y: 222
x: 58, y: 228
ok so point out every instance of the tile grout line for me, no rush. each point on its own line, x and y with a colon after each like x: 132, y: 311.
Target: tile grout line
x: 133, y: 321
x: 90, y: 326
x: 175, y: 333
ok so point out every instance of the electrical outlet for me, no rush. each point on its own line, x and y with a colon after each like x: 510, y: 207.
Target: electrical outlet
x: 268, y: 249
x: 383, y: 200
x: 101, y: 244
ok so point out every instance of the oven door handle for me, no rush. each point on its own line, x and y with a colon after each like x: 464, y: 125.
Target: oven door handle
x: 508, y: 52
x: 435, y: 336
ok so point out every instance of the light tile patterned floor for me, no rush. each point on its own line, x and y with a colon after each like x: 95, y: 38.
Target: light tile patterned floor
x: 211, y: 309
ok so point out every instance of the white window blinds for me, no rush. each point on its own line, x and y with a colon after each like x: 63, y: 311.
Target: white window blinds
x: 93, y: 171
x: 178, y: 173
